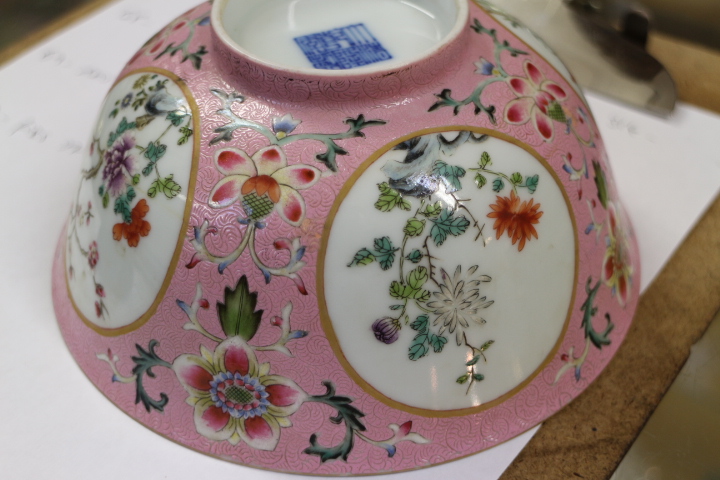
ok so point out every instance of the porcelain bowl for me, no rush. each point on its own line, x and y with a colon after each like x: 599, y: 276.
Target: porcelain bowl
x: 341, y: 237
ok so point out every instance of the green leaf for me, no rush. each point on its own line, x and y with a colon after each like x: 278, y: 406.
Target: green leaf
x: 396, y: 307
x: 176, y: 117
x: 480, y: 180
x: 141, y: 82
x: 155, y: 151
x: 415, y: 256
x: 385, y: 252
x: 122, y: 208
x: 122, y: 127
x: 397, y: 290
x: 237, y: 315
x: 599, y: 339
x: 498, y: 185
x: 144, y: 363
x: 140, y: 99
x: 160, y: 84
x: 390, y: 198
x: 432, y: 210
x: 452, y: 175
x: 447, y: 224
x: 532, y: 183
x: 168, y: 186
x: 485, y: 160
x: 478, y: 377
x: 135, y: 179
x: 555, y: 111
x: 437, y: 342
x: 486, y: 345
x: 153, y: 190
x: 347, y: 414
x: 186, y: 134
x: 420, y: 324
x: 474, y: 360
x: 516, y: 178
x: 130, y: 194
x: 362, y: 257
x: 414, y: 227
x: 418, y: 349
x: 420, y: 295
x: 106, y: 200
x: 418, y: 277
x: 601, y: 184
x: 114, y: 113
x: 463, y: 379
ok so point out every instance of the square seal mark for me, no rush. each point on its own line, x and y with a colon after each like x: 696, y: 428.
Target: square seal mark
x: 342, y: 48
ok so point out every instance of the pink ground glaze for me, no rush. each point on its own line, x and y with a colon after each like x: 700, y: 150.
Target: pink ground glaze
x: 314, y: 360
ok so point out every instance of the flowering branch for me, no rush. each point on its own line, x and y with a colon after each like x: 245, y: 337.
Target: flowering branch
x: 144, y: 363
x: 295, y: 264
x: 460, y: 204
x: 196, y: 57
x: 202, y: 252
x: 472, y: 375
x: 350, y: 416
x: 431, y: 267
x: 192, y: 310
x: 572, y: 362
x: 592, y: 336
x: 283, y: 136
x: 95, y: 169
x: 401, y: 433
x: 111, y: 359
x: 499, y: 46
x: 286, y: 333
x: 500, y: 75
x: 594, y: 225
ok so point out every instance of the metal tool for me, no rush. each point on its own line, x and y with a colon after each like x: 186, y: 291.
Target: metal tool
x: 682, y: 438
x: 603, y: 44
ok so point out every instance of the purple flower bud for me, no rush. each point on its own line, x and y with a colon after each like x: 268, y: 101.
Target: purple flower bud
x: 484, y: 67
x: 386, y: 329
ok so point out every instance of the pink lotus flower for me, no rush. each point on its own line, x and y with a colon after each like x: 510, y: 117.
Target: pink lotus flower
x: 235, y: 397
x: 263, y: 183
x: 538, y: 100
x: 617, y: 271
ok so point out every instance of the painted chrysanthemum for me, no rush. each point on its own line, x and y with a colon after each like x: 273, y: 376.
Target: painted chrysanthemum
x: 263, y: 183
x: 459, y: 302
x: 138, y: 227
x: 538, y: 99
x: 617, y: 271
x: 516, y: 217
x: 235, y: 397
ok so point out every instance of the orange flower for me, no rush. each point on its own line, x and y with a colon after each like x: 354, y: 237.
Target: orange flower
x: 516, y: 217
x: 136, y: 228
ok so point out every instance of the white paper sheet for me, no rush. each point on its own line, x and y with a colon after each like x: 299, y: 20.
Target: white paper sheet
x: 53, y: 422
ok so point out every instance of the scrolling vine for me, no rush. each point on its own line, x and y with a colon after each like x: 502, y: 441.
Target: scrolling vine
x: 264, y: 183
x: 234, y: 395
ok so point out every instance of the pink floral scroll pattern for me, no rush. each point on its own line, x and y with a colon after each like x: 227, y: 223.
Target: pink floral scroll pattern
x: 452, y: 437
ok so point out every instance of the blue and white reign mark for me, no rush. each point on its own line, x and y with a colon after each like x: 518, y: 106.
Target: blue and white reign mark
x: 342, y: 48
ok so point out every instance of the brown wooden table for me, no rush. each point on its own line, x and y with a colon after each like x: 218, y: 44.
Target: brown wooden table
x: 589, y: 437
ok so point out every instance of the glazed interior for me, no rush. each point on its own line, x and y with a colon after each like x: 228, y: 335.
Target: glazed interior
x: 372, y: 35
